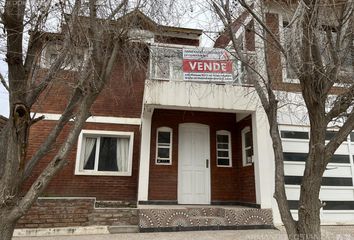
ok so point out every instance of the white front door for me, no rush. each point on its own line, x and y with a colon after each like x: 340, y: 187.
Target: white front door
x: 193, y: 164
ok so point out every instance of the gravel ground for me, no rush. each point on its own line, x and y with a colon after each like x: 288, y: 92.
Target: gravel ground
x: 328, y: 232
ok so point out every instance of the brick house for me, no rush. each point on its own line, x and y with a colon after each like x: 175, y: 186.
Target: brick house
x: 187, y: 130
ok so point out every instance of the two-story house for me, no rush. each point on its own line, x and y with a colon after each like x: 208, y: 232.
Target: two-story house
x: 184, y: 144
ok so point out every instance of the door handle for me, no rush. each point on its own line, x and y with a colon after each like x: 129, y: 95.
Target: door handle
x: 207, y: 163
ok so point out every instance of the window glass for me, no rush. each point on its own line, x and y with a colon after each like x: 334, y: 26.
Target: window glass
x: 166, y: 64
x: 223, y: 145
x: 105, y: 154
x: 89, y: 154
x: 107, y: 160
x: 247, y: 146
x: 163, y: 145
x: 325, y: 50
x: 164, y: 138
x: 294, y: 134
x: 163, y: 153
x: 248, y: 139
x: 290, y: 73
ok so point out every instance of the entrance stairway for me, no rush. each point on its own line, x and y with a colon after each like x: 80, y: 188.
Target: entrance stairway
x: 194, y: 218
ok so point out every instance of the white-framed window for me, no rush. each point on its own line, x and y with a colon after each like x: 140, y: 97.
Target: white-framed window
x: 106, y: 153
x: 223, y: 149
x: 166, y: 63
x: 247, y: 146
x: 346, y: 68
x: 164, y: 146
x: 74, y: 60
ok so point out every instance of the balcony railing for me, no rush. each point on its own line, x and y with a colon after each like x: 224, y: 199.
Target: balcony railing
x: 169, y: 64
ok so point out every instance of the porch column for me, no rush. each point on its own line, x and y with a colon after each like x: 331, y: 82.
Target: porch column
x: 143, y: 185
x: 263, y: 159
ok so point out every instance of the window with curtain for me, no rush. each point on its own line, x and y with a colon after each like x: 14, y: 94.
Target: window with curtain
x: 247, y: 146
x: 223, y: 148
x: 105, y: 154
x: 164, y: 146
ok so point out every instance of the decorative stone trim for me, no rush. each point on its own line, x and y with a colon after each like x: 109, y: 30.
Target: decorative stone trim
x: 203, y: 218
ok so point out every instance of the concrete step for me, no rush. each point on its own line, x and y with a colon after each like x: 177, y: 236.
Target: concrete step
x: 123, y: 229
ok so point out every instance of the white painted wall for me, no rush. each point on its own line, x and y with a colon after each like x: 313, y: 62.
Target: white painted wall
x: 168, y: 94
x: 144, y: 167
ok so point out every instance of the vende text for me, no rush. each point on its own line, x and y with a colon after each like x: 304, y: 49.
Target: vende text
x: 211, y: 66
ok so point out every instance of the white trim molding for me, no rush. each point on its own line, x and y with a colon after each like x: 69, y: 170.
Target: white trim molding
x: 96, y: 119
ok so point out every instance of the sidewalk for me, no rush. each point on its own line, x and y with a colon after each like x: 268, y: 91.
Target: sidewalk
x: 328, y: 232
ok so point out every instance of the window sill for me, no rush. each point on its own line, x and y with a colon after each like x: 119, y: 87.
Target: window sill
x: 247, y: 164
x: 112, y: 174
x: 224, y: 166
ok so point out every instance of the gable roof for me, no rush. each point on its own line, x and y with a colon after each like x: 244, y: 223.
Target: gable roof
x: 144, y: 20
x: 138, y: 19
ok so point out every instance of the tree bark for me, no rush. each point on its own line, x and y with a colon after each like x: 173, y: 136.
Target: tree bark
x: 7, y: 227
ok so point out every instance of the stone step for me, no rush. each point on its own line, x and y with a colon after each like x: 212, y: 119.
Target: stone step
x: 206, y: 212
x: 123, y: 229
x: 209, y: 221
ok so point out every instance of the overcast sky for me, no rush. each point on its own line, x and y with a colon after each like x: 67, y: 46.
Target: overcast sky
x: 197, y: 16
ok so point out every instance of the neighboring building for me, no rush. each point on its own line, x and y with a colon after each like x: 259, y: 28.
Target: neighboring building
x: 188, y: 130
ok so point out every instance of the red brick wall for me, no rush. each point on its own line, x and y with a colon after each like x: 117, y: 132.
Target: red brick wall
x: 225, y: 182
x: 246, y: 186
x: 66, y: 183
x: 273, y: 52
x: 47, y: 213
x: 122, y: 97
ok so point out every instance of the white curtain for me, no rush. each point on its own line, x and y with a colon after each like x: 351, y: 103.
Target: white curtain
x: 89, y: 144
x: 122, y: 154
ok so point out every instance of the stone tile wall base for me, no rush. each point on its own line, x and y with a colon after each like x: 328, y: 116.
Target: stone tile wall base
x: 200, y: 218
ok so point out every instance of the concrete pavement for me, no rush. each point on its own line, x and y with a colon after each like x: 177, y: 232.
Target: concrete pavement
x: 328, y: 232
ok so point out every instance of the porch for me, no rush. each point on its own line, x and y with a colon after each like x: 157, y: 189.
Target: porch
x: 164, y: 218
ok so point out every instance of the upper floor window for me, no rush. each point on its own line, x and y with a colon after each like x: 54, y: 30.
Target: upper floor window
x: 223, y: 149
x: 346, y: 69
x: 104, y: 153
x: 164, y: 146
x: 73, y: 61
x: 247, y: 146
x: 166, y: 63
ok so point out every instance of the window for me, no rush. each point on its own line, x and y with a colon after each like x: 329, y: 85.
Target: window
x: 294, y: 134
x: 346, y: 68
x: 164, y: 146
x: 247, y: 146
x: 223, y: 148
x: 73, y: 60
x: 290, y: 73
x: 104, y: 153
x: 166, y: 64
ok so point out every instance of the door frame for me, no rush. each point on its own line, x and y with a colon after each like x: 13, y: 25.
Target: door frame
x: 208, y: 172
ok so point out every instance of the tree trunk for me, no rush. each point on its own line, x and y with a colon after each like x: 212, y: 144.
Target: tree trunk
x: 309, y: 223
x: 7, y: 227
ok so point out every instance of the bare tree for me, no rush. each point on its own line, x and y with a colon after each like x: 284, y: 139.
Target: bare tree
x: 98, y: 31
x: 318, y: 53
